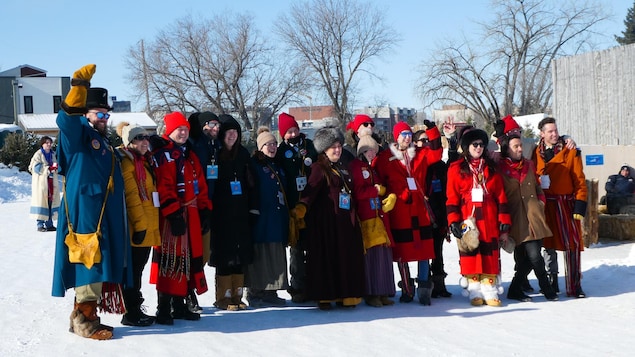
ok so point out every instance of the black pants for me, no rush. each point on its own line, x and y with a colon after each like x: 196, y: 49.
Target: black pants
x: 528, y: 257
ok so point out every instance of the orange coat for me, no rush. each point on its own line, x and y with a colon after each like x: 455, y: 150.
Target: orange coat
x: 567, y: 181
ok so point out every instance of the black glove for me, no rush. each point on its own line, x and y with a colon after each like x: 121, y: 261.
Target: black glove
x: 455, y: 228
x: 499, y: 127
x: 137, y: 237
x: 177, y: 223
x: 504, y: 227
x: 429, y: 124
x: 205, y: 216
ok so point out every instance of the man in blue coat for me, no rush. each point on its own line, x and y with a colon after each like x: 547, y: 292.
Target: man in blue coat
x: 93, y: 202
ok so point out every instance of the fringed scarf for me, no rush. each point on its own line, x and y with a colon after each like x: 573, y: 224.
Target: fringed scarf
x: 548, y: 153
x: 477, y: 169
x: 175, y: 250
x: 112, y: 299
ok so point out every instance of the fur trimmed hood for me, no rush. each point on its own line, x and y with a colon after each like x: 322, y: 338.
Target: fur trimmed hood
x: 398, y: 154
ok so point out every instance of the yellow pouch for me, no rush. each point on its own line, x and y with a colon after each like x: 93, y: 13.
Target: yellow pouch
x: 374, y: 232
x: 83, y: 248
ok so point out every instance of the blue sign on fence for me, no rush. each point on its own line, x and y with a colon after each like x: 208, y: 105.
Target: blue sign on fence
x: 595, y: 160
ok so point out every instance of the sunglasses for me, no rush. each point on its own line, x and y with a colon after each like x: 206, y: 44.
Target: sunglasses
x: 423, y: 140
x: 479, y: 144
x: 406, y: 134
x: 368, y: 124
x: 211, y: 124
x: 141, y: 137
x: 101, y: 115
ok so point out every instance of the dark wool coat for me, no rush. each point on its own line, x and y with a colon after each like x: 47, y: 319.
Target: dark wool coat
x: 409, y: 220
x: 293, y: 160
x: 489, y: 215
x: 231, y: 240
x: 272, y: 224
x: 193, y: 199
x: 526, y: 202
x: 335, y: 252
x: 86, y: 159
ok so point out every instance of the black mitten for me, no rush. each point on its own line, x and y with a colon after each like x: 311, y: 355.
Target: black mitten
x: 205, y: 216
x: 137, y: 237
x: 504, y: 228
x: 499, y: 127
x: 177, y: 223
x: 429, y: 124
x: 455, y: 228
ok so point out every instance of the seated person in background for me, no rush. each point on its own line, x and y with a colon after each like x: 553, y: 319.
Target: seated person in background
x: 619, y: 190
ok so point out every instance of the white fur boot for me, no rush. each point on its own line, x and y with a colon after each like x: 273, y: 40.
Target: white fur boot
x: 474, y: 289
x: 490, y: 290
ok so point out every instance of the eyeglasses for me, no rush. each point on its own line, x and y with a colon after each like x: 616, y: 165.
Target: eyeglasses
x: 406, y: 134
x: 211, y: 124
x: 479, y: 144
x: 101, y: 115
x: 141, y: 137
x: 368, y: 123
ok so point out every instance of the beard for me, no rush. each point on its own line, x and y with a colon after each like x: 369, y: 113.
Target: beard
x: 295, y: 140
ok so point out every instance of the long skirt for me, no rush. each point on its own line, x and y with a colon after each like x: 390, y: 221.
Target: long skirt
x: 380, y: 279
x: 269, y: 268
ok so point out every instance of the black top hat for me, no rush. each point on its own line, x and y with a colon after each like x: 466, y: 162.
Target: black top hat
x: 97, y: 98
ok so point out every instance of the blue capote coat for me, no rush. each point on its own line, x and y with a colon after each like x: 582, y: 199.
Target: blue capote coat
x: 85, y: 159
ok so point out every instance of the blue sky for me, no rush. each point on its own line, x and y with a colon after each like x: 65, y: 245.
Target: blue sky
x: 61, y: 36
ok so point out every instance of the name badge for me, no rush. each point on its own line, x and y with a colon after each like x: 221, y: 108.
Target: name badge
x: 300, y: 183
x: 436, y: 186
x: 280, y: 198
x: 374, y: 203
x: 477, y: 194
x: 155, y: 199
x: 412, y: 185
x: 545, y: 182
x: 212, y: 172
x: 345, y: 201
x: 236, y: 188
x: 196, y: 191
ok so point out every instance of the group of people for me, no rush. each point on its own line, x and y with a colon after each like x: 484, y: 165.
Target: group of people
x: 346, y: 207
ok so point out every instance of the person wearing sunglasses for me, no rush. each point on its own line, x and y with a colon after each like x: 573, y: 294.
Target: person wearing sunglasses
x: 361, y: 125
x: 475, y: 190
x: 402, y: 168
x: 203, y: 140
x: 137, y: 166
x: 93, y: 204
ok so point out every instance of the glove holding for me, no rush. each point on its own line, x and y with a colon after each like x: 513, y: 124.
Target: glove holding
x: 388, y: 203
x: 456, y: 230
x: 429, y: 124
x: 504, y: 228
x: 299, y: 211
x: 75, y: 101
x: 137, y: 237
x: 499, y: 127
x: 177, y: 223
x: 205, y: 216
x: 381, y: 190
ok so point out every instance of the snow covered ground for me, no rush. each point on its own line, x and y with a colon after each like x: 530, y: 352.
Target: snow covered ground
x: 36, y: 324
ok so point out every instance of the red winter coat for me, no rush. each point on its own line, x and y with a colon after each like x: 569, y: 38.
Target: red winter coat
x: 409, y: 221
x: 170, y: 262
x: 489, y: 215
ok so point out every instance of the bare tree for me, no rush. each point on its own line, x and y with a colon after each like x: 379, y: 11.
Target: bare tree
x: 336, y: 39
x: 219, y: 64
x: 509, y: 71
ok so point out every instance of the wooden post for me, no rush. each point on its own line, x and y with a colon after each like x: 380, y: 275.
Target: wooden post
x: 590, y: 223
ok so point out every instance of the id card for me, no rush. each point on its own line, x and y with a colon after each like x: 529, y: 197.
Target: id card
x: 436, y: 185
x: 374, y: 203
x: 280, y: 198
x: 236, y: 188
x: 412, y: 185
x: 345, y: 201
x: 196, y: 191
x: 300, y: 183
x: 155, y: 199
x: 477, y: 194
x: 545, y: 182
x: 212, y: 172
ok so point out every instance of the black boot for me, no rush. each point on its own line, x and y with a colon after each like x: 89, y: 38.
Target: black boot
x: 407, y: 290
x: 424, y: 291
x: 439, y: 289
x: 553, y: 279
x: 164, y: 310
x: 192, y: 302
x: 515, y: 291
x: 134, y: 316
x: 180, y: 310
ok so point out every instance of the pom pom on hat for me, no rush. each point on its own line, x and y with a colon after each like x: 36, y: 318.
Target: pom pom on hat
x: 398, y: 128
x: 359, y: 120
x: 128, y: 132
x: 366, y: 142
x: 173, y: 121
x: 325, y: 137
x: 264, y: 136
x: 286, y: 122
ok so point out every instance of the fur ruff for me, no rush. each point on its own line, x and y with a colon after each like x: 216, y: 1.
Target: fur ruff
x: 398, y: 154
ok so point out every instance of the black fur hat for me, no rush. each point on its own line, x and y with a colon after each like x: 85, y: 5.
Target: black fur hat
x: 470, y: 135
x: 327, y: 136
